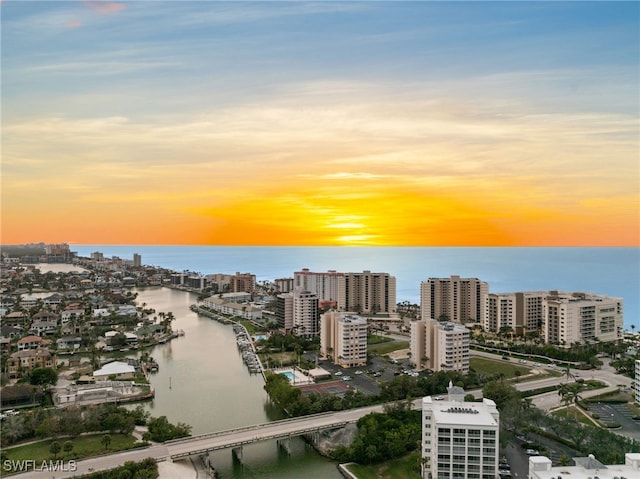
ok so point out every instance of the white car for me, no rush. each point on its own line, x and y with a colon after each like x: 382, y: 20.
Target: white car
x: 339, y: 373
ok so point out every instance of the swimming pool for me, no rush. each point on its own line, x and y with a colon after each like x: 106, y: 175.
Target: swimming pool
x: 289, y: 375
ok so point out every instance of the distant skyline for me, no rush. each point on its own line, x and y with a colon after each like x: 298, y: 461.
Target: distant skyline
x: 502, y: 123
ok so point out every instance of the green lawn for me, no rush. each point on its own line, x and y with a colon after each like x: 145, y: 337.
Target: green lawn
x: 386, y: 348
x: 490, y: 367
x: 376, y: 339
x: 404, y: 468
x: 83, y: 446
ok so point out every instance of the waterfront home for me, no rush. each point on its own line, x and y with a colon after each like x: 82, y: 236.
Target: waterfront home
x: 115, y: 369
x: 69, y: 342
x: 28, y: 359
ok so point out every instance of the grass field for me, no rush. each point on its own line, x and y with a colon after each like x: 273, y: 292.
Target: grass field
x: 386, y: 348
x: 406, y: 468
x: 83, y: 446
x: 491, y: 367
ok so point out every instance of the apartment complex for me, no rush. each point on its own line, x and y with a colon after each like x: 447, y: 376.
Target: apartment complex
x: 521, y: 312
x: 364, y: 292
x: 459, y: 439
x: 454, y: 299
x: 327, y: 285
x: 580, y: 317
x: 636, y: 383
x: 284, y: 311
x: 305, y: 313
x: 343, y: 339
x: 439, y: 346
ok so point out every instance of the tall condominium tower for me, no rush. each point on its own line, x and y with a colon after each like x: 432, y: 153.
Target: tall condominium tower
x: 284, y: 311
x: 327, y: 285
x: 369, y: 292
x: 459, y: 439
x: 520, y: 312
x: 305, y: 313
x: 439, y: 346
x: 343, y: 339
x: 453, y: 299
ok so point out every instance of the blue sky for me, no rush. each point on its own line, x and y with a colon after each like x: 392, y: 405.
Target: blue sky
x: 433, y: 97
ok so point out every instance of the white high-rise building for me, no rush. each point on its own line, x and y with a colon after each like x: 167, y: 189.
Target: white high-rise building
x: 343, y: 339
x: 636, y: 382
x: 460, y: 440
x: 456, y: 299
x: 439, y: 346
x: 579, y: 317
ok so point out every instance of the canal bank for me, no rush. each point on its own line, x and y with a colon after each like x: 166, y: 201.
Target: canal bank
x: 202, y: 381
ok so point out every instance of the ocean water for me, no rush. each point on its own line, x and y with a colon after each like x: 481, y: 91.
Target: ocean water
x: 606, y: 271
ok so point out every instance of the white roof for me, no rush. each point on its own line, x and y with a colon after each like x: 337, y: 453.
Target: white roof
x: 116, y: 367
x: 456, y: 413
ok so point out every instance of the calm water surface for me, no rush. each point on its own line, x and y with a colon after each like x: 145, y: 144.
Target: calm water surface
x: 203, y: 382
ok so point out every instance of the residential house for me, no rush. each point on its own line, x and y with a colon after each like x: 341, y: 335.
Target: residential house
x: 28, y: 359
x: 15, y: 318
x: 69, y: 342
x: 32, y: 342
x: 115, y: 370
x: 43, y: 328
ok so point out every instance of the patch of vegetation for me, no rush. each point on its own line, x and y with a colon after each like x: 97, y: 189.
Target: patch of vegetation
x: 74, y: 448
x: 383, y: 436
x: 162, y: 430
x: 407, y: 467
x: 386, y: 348
x: 145, y: 469
x: 376, y: 339
x: 490, y: 367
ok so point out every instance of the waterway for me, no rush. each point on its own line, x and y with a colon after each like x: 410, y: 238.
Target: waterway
x: 203, y: 382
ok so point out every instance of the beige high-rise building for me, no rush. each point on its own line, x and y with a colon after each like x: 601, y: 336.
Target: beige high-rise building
x: 364, y: 292
x: 305, y: 313
x: 439, y: 346
x: 329, y: 285
x: 343, y: 339
x: 579, y: 317
x: 369, y: 292
x: 521, y: 312
x: 456, y: 299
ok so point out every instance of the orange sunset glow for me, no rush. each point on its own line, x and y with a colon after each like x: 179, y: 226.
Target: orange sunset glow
x: 127, y: 123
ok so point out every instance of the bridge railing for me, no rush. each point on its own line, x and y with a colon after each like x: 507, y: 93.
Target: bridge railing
x: 273, y: 435
x: 248, y: 428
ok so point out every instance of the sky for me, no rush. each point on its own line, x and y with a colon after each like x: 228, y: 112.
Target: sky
x: 440, y: 123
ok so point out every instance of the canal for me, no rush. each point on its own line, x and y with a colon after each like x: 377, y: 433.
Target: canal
x: 203, y: 382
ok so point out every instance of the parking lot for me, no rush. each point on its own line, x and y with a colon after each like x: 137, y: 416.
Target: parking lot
x: 369, y: 378
x: 617, y: 413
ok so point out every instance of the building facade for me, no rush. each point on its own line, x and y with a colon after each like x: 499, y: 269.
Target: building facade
x: 328, y: 285
x: 460, y: 440
x: 306, y: 314
x: 439, y: 346
x: 284, y: 311
x: 369, y: 292
x: 520, y: 312
x: 454, y: 299
x: 343, y: 339
x: 636, y: 383
x: 582, y: 317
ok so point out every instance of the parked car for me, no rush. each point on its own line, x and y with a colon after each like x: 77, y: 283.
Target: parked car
x: 532, y: 452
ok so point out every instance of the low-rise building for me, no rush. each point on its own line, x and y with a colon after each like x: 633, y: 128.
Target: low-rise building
x: 28, y: 359
x: 540, y: 467
x: 115, y: 370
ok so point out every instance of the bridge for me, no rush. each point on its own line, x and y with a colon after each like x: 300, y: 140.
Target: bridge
x: 180, y: 449
x: 285, y: 428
